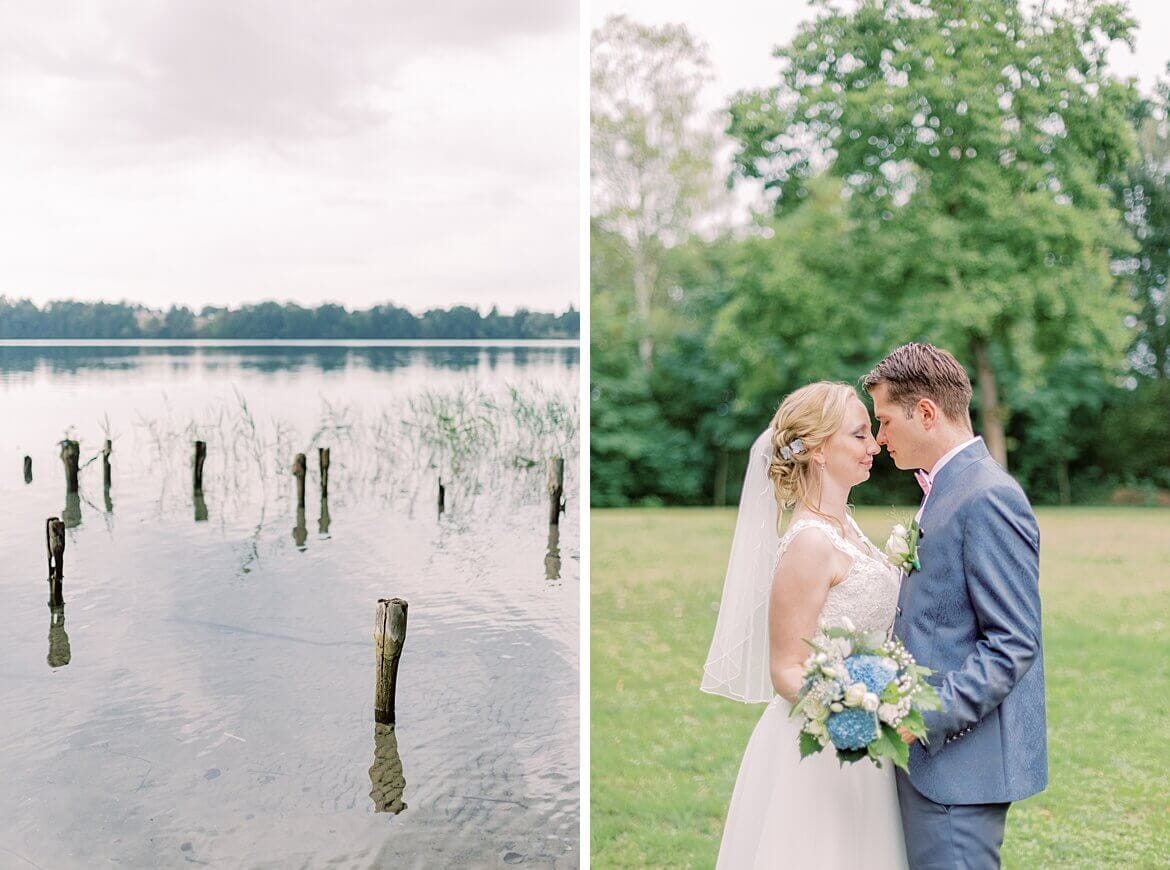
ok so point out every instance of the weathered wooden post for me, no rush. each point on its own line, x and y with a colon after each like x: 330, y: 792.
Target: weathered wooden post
x: 200, y: 457
x: 71, y: 455
x: 200, y: 507
x: 28, y: 469
x: 55, y: 544
x: 556, y: 489
x: 323, y: 463
x: 106, y: 451
x: 389, y: 637
x: 299, y: 467
x: 442, y: 497
x: 387, y: 781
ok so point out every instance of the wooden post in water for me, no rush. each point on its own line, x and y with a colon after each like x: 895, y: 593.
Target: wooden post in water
x: 389, y: 637
x: 200, y: 457
x: 106, y: 451
x: 442, y: 497
x: 323, y: 462
x: 556, y: 489
x: 299, y: 467
x: 55, y: 543
x: 70, y: 455
x: 28, y: 469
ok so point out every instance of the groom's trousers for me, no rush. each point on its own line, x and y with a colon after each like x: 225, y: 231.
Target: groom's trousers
x: 955, y: 837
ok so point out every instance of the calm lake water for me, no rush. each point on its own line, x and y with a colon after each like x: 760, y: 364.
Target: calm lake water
x: 205, y: 696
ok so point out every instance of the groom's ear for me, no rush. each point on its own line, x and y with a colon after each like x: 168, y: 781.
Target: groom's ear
x: 928, y: 412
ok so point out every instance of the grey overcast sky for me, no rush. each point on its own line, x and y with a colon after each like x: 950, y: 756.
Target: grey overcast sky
x: 350, y: 151
x: 741, y: 34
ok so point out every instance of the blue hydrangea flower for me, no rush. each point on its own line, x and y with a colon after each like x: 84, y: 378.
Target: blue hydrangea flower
x: 852, y: 728
x: 874, y: 671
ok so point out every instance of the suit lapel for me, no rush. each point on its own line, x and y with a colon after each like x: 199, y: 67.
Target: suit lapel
x: 949, y: 475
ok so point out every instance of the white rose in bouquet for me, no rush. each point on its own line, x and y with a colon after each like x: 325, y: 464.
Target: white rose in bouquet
x: 855, y: 694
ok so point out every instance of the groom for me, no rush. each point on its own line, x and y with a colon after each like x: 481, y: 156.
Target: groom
x: 971, y: 614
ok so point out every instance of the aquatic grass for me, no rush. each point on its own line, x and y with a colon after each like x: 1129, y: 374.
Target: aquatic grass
x: 476, y: 441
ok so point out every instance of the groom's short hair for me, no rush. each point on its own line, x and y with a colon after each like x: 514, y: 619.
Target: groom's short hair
x: 922, y: 371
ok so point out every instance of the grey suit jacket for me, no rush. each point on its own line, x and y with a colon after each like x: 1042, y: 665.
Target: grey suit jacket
x: 972, y: 615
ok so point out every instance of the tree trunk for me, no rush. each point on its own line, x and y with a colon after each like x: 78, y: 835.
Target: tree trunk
x: 720, y: 496
x: 989, y: 406
x: 644, y: 280
x: 1063, y: 482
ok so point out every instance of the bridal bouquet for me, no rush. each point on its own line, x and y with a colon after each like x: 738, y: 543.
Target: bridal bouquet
x: 859, y: 689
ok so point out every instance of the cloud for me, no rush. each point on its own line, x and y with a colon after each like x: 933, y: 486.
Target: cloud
x: 173, y: 73
x: 218, y: 152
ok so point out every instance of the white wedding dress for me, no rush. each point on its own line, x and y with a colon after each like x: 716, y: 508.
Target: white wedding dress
x: 813, y: 812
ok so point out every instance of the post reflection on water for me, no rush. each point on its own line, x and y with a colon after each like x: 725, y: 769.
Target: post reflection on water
x: 387, y: 780
x: 59, y: 653
x: 552, y: 557
x: 300, y: 532
x: 72, y: 513
x: 323, y: 520
x: 200, y: 507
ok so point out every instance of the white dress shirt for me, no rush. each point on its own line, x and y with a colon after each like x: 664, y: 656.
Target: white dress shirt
x: 933, y: 473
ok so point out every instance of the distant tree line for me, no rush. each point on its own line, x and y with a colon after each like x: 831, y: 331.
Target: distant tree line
x: 271, y: 320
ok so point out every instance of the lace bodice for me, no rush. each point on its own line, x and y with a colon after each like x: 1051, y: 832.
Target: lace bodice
x: 868, y: 593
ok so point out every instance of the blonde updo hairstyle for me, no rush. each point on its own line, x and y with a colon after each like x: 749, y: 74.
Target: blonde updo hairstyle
x: 811, y: 415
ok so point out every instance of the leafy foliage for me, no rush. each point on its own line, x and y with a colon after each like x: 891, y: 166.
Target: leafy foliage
x: 964, y: 173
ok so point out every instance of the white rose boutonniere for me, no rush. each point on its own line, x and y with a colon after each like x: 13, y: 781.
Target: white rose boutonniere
x: 902, y: 547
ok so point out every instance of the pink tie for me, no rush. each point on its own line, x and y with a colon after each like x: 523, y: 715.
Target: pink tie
x: 923, y: 480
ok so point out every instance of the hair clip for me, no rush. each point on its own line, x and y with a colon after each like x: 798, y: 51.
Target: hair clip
x: 793, y: 449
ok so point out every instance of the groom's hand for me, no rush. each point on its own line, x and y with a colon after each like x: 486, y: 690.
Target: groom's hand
x: 907, y: 738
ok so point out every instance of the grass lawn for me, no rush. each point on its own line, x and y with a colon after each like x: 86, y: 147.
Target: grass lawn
x: 665, y: 756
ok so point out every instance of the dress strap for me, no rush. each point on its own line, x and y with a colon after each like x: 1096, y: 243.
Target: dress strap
x: 864, y: 539
x: 835, y: 537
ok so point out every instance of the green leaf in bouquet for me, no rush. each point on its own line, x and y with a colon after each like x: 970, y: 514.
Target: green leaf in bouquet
x: 835, y: 632
x: 851, y: 756
x: 797, y: 708
x: 872, y: 641
x: 915, y: 724
x: 900, y: 749
x: 809, y: 745
x: 891, y: 694
x: 926, y: 698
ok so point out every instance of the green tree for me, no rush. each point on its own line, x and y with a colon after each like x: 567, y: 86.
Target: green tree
x: 652, y: 152
x: 974, y: 141
x: 1143, y: 193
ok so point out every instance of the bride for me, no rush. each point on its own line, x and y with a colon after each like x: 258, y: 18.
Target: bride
x: 788, y: 812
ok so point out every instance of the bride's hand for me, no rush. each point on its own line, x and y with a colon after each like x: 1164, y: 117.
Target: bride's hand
x: 907, y: 738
